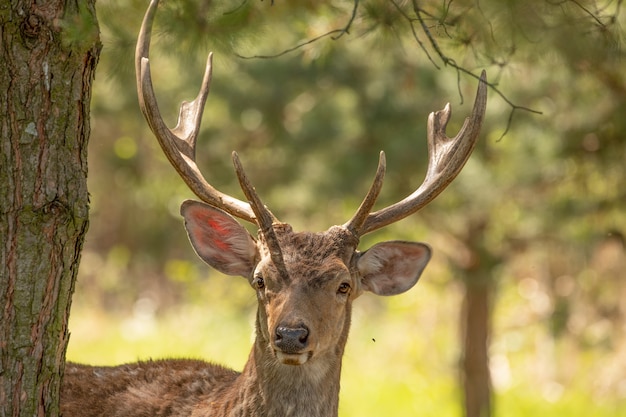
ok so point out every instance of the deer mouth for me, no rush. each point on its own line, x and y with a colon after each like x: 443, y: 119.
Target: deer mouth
x: 293, y: 358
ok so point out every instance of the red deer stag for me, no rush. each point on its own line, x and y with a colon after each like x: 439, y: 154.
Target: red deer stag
x: 305, y: 283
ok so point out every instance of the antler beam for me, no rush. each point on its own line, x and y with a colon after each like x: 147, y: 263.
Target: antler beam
x: 447, y: 156
x: 179, y: 143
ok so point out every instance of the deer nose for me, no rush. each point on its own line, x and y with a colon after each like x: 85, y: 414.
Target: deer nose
x: 291, y: 340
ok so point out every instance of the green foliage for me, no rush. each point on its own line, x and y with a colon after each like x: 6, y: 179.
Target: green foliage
x: 547, y: 199
x: 80, y: 27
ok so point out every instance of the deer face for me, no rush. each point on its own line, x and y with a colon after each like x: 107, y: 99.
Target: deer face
x: 305, y: 292
x: 305, y: 282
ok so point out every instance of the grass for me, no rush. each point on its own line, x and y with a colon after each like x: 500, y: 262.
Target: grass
x: 400, y: 359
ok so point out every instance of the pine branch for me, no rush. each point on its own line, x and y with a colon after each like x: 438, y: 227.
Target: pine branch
x: 338, y: 33
x: 460, y: 69
x: 418, y: 27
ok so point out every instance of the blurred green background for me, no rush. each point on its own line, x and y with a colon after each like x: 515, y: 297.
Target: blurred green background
x: 532, y: 229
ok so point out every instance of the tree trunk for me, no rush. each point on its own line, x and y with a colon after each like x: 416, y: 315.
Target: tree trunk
x: 48, y: 54
x: 477, y: 278
x: 475, y: 362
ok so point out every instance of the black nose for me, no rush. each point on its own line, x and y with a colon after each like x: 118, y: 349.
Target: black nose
x: 291, y: 340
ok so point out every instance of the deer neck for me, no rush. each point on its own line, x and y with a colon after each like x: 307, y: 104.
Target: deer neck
x: 270, y: 388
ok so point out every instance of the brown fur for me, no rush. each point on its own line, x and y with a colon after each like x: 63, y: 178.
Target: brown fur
x: 313, y: 289
x: 305, y: 282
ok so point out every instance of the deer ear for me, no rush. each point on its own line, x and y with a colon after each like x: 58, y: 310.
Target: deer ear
x: 219, y: 239
x: 391, y: 268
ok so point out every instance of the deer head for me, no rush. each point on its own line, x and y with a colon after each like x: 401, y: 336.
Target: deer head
x: 305, y: 282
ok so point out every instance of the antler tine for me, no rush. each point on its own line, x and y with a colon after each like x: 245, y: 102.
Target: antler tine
x: 447, y: 156
x: 355, y: 223
x: 264, y: 217
x: 179, y: 143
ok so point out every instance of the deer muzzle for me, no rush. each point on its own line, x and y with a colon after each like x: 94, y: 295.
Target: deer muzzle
x: 291, y: 345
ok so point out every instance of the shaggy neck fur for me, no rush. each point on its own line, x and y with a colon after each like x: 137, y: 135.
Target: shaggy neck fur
x: 280, y: 390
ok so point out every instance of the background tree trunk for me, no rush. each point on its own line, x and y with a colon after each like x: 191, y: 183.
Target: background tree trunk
x: 478, y: 284
x: 48, y: 51
x: 475, y: 362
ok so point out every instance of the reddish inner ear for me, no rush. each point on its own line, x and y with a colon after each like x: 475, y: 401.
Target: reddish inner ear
x: 214, y: 233
x: 219, y: 239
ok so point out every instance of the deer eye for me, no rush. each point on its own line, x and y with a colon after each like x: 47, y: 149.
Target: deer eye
x: 344, y: 288
x: 258, y: 282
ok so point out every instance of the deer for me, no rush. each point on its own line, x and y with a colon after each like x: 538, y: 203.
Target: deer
x: 305, y: 282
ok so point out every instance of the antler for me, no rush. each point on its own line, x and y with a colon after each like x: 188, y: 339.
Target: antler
x: 179, y: 143
x: 447, y: 156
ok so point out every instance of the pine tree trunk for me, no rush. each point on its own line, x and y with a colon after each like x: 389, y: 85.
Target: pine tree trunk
x: 479, y: 286
x: 475, y: 364
x: 48, y: 54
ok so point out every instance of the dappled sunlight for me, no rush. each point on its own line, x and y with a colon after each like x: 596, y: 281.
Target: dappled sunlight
x: 401, y: 357
x: 536, y: 217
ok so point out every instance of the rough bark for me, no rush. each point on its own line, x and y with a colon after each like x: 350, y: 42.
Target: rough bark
x: 48, y: 54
